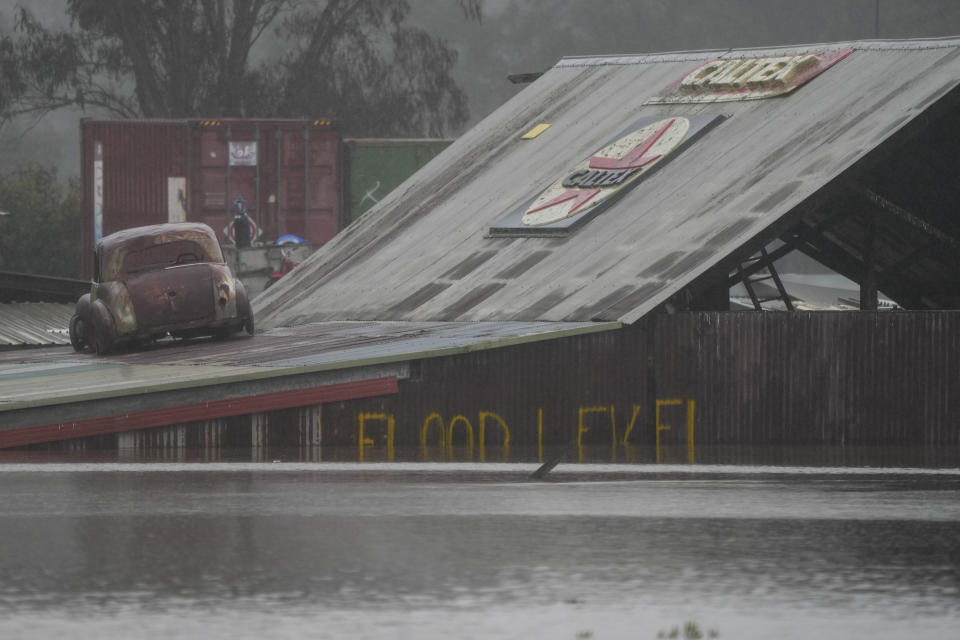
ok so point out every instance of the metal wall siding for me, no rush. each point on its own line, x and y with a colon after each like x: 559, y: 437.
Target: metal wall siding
x: 553, y: 379
x: 776, y: 379
x: 815, y: 378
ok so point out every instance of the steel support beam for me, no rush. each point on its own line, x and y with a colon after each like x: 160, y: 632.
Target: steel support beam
x: 894, y: 210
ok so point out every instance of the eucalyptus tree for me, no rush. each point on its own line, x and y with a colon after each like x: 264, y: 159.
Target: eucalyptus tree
x: 356, y: 60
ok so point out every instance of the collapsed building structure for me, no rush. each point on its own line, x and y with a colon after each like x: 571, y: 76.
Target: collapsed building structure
x: 561, y: 274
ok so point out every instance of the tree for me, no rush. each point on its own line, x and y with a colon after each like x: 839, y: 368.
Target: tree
x: 355, y: 60
x: 11, y: 82
x: 338, y: 57
x: 41, y: 229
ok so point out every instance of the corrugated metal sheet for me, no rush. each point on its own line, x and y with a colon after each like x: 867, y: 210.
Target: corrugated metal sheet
x: 34, y: 324
x: 823, y: 378
x: 422, y: 253
x: 826, y: 380
x: 133, y: 191
x: 529, y: 395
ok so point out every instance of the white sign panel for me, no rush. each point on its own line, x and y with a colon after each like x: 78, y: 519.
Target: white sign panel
x: 176, y: 199
x: 97, y: 192
x: 243, y: 154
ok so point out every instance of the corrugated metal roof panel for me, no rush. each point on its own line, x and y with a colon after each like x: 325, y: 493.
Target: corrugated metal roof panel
x: 730, y: 187
x: 43, y: 377
x: 34, y: 323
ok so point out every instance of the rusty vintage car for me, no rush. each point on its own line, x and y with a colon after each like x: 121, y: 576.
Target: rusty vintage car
x: 152, y: 281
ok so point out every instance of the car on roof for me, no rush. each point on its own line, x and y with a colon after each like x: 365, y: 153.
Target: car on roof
x: 158, y: 280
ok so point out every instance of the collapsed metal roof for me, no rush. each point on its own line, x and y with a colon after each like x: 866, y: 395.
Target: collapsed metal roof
x: 818, y: 167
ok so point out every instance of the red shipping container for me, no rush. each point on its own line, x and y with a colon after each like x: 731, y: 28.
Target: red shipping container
x: 139, y: 172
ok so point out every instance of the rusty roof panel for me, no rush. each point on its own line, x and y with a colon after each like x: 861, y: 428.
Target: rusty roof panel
x: 724, y: 191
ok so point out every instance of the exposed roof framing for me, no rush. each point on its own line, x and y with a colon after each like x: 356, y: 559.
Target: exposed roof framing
x: 886, y: 206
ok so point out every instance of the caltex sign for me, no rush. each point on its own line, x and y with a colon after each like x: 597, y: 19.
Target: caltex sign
x: 604, y: 174
x: 749, y: 78
x: 597, y: 181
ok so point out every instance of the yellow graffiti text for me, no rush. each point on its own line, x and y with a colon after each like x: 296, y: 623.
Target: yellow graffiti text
x: 660, y: 427
x: 490, y: 415
x: 364, y: 441
x: 436, y: 433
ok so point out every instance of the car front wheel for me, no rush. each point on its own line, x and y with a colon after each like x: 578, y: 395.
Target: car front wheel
x: 78, y: 337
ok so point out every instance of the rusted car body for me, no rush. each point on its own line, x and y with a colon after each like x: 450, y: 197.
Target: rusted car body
x: 157, y: 280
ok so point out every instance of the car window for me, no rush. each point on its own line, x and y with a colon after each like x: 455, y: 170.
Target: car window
x: 165, y: 255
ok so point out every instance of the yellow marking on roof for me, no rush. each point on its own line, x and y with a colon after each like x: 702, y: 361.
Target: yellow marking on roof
x: 537, y: 130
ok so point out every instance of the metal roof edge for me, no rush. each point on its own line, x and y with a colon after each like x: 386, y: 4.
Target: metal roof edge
x: 582, y: 328
x: 251, y: 373
x: 151, y: 122
x: 402, y: 140
x: 643, y: 58
x: 911, y: 44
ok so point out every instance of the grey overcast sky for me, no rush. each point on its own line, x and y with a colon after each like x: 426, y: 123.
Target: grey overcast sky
x: 531, y: 35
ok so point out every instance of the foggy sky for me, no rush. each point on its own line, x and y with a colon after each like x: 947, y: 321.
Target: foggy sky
x: 531, y: 35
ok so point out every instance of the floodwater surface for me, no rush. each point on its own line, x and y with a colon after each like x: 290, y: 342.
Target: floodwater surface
x: 431, y: 551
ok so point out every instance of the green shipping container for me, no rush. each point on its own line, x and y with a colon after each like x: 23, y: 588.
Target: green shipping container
x: 376, y: 166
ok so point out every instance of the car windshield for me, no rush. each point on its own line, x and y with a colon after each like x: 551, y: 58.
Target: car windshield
x: 165, y: 255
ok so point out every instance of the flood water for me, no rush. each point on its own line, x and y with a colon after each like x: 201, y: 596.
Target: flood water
x: 431, y: 551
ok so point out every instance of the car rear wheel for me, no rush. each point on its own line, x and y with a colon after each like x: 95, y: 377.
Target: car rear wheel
x: 104, y: 335
x: 248, y: 324
x: 103, y: 341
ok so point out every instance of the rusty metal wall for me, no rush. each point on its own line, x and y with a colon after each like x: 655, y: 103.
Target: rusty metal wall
x: 137, y: 159
x: 540, y: 394
x: 820, y: 379
x: 824, y: 378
